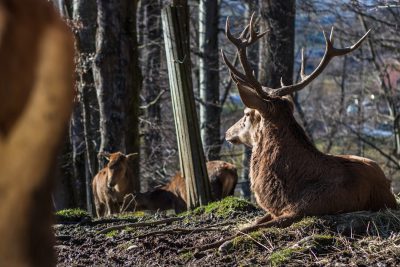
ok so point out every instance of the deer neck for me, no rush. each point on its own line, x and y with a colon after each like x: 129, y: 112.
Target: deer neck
x: 125, y: 184
x: 282, y: 149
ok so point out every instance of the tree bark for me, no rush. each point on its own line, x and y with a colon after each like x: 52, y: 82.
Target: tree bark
x: 277, y: 47
x: 117, y: 79
x: 85, y: 14
x: 176, y: 37
x: 209, y: 78
x: 152, y: 39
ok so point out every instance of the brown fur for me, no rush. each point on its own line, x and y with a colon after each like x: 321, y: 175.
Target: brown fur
x: 223, y: 178
x: 36, y: 88
x: 112, y: 183
x: 291, y: 178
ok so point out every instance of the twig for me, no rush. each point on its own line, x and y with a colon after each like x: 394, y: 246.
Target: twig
x: 154, y: 101
x: 140, y: 224
x: 178, y: 231
x: 278, y: 222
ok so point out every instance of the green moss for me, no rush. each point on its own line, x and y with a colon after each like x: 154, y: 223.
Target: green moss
x: 112, y: 233
x: 132, y: 215
x: 281, y: 256
x: 186, y: 256
x: 225, y: 208
x: 304, y: 223
x: 71, y: 215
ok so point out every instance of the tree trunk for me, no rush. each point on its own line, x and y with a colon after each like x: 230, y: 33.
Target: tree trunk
x: 209, y: 78
x: 85, y: 13
x: 117, y: 79
x: 152, y: 39
x: 176, y: 37
x: 277, y: 47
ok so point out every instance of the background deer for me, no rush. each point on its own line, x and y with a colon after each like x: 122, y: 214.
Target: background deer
x: 112, y: 183
x: 36, y: 89
x: 289, y: 176
x: 223, y: 179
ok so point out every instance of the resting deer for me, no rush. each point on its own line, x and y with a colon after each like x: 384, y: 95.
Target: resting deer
x: 223, y: 178
x: 112, y: 183
x: 289, y: 176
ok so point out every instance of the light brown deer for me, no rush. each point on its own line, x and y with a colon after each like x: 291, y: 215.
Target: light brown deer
x: 36, y: 92
x: 223, y: 179
x: 289, y: 176
x: 112, y: 183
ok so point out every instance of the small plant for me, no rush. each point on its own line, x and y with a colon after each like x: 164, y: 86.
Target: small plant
x: 112, y: 233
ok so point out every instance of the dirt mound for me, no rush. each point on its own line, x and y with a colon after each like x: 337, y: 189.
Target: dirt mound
x: 360, y: 238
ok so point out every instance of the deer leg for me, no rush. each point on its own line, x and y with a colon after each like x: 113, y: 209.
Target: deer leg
x: 263, y: 219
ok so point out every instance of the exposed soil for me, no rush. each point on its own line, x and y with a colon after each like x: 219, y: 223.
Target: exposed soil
x: 354, y: 239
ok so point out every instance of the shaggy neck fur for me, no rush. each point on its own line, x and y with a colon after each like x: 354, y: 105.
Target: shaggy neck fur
x: 283, y: 162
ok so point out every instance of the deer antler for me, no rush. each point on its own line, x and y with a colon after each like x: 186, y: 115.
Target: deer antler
x: 330, y: 52
x: 249, y: 37
x: 246, y: 38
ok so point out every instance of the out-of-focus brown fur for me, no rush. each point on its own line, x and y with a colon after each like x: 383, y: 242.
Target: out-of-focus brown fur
x: 112, y: 183
x: 223, y: 178
x: 36, y: 88
x: 291, y: 178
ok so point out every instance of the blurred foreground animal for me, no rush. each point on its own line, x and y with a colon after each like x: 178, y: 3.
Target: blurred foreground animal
x: 289, y: 176
x: 36, y: 88
x: 223, y: 178
x: 112, y: 183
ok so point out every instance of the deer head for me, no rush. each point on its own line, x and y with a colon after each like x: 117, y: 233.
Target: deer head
x: 117, y: 166
x: 267, y: 106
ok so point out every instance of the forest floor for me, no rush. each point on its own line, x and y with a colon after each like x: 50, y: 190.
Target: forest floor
x: 138, y: 239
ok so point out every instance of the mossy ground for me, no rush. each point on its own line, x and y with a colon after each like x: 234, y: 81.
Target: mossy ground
x: 225, y: 208
x: 359, y: 238
x: 71, y: 215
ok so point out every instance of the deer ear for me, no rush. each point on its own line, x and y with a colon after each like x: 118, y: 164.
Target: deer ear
x: 132, y: 155
x: 104, y: 154
x: 250, y: 98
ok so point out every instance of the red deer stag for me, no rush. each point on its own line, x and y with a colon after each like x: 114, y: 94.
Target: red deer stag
x: 36, y: 89
x: 112, y: 183
x: 223, y: 178
x: 289, y: 176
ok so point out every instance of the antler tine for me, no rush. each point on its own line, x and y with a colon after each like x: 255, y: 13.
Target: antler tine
x: 330, y: 52
x: 237, y: 42
x: 302, y: 66
x: 232, y: 69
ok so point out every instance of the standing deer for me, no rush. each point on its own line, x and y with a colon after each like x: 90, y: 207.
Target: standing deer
x: 112, y: 183
x: 289, y: 176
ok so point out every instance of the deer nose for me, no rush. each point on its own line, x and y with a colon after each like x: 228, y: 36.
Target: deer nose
x: 232, y: 138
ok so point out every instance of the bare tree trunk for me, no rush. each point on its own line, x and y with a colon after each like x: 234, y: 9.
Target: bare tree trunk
x: 277, y: 47
x: 209, y: 78
x: 77, y: 141
x: 152, y: 39
x: 84, y: 14
x: 176, y: 37
x: 117, y: 78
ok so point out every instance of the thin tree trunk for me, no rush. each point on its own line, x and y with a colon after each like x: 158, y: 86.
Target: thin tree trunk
x: 152, y: 39
x: 210, y: 122
x: 85, y: 13
x: 277, y: 47
x: 117, y: 79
